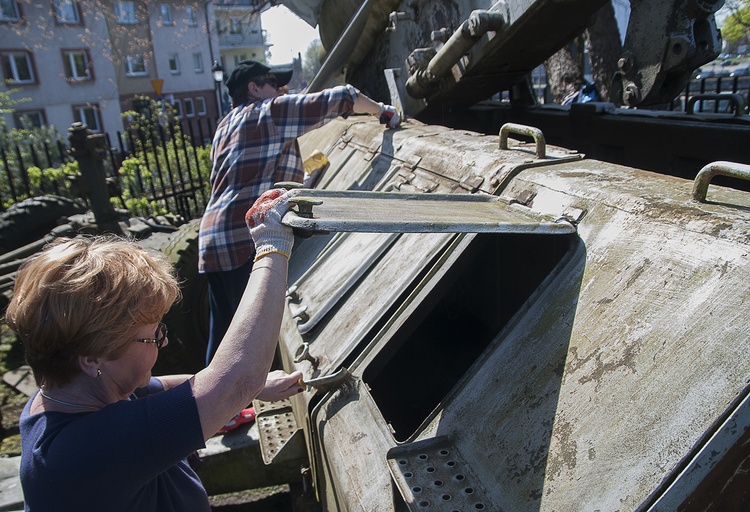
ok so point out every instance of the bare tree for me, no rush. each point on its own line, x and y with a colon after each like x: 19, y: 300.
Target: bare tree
x: 603, y: 41
x: 564, y: 74
x: 565, y: 68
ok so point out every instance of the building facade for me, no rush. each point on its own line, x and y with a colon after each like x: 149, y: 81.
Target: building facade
x: 56, y: 64
x: 88, y: 60
x: 240, y: 34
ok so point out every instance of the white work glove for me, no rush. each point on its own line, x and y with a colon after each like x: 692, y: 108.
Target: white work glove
x: 264, y: 221
x: 389, y: 116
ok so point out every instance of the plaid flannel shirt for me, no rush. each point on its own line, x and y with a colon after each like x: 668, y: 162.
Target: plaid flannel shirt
x: 255, y: 146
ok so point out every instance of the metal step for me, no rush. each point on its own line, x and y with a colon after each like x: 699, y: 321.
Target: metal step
x: 433, y: 475
x: 281, y: 439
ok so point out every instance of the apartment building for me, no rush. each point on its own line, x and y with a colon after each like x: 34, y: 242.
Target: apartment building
x: 55, y: 58
x: 87, y: 60
x: 240, y: 34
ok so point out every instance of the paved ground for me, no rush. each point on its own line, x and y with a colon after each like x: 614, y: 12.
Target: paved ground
x: 11, y: 496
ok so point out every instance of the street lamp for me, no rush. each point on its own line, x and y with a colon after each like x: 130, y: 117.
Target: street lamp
x: 218, y: 73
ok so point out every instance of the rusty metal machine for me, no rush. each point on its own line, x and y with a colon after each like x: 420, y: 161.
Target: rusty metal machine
x: 441, y: 53
x: 444, y: 62
x: 489, y: 321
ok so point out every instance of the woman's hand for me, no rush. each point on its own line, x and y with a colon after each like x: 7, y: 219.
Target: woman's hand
x: 264, y: 221
x: 280, y: 385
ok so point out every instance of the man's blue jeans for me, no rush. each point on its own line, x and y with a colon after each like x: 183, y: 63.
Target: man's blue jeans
x: 225, y: 291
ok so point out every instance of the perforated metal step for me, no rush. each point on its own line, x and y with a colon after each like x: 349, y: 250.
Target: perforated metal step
x: 433, y: 475
x: 277, y: 428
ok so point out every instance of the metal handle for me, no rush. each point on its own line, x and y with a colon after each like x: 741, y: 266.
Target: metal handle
x: 328, y: 382
x: 529, y: 131
x: 703, y: 178
x: 303, y: 354
x: 288, y: 185
x: 735, y: 99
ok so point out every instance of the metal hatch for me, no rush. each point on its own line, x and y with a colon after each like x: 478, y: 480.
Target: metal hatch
x: 394, y: 212
x: 370, y: 224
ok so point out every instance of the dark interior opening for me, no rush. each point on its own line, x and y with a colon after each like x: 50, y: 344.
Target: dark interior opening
x: 454, y: 324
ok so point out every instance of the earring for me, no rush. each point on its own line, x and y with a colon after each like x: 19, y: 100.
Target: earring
x: 98, y: 373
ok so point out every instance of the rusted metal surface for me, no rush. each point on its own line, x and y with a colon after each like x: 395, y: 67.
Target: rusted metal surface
x: 570, y: 372
x: 716, y: 476
x: 665, y: 42
x: 459, y: 53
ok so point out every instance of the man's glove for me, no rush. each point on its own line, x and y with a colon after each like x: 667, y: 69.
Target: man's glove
x: 389, y: 116
x: 264, y: 221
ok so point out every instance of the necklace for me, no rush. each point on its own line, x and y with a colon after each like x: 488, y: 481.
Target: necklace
x: 41, y: 392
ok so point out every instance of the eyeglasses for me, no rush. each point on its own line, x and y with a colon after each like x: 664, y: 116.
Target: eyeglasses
x: 272, y: 81
x: 159, y: 338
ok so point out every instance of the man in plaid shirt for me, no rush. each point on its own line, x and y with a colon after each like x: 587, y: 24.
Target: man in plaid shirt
x: 255, y: 146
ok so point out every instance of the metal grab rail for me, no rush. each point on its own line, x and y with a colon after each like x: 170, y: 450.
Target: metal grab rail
x: 529, y: 131
x: 735, y: 99
x: 704, y: 176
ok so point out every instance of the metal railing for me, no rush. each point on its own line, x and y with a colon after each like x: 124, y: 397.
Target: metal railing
x: 168, y: 172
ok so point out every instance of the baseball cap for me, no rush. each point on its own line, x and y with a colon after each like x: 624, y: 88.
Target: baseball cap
x: 248, y: 69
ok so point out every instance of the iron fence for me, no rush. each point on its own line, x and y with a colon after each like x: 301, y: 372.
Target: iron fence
x: 168, y: 169
x: 18, y: 158
x: 715, y: 95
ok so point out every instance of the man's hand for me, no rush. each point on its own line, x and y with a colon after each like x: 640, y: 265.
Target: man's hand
x: 389, y: 116
x: 280, y: 385
x: 264, y: 221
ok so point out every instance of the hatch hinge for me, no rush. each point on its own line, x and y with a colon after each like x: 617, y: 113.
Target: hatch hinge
x: 524, y: 198
x: 372, y: 151
x: 573, y: 214
x: 407, y: 181
x: 472, y: 183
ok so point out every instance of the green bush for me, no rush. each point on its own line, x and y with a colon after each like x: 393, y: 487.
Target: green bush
x: 23, y: 149
x: 165, y: 159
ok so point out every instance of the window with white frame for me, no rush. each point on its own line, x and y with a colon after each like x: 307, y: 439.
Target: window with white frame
x: 28, y: 119
x: 135, y: 65
x: 89, y: 115
x: 189, y: 107
x: 9, y: 10
x: 77, y: 65
x: 166, y: 14
x: 125, y: 13
x: 198, y: 62
x: 190, y: 17
x: 235, y: 26
x: 18, y: 68
x: 177, y: 104
x: 200, y: 106
x: 239, y: 58
x: 174, y: 63
x: 67, y: 12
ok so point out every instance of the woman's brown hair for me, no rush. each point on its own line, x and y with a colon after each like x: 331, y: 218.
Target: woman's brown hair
x: 86, y: 296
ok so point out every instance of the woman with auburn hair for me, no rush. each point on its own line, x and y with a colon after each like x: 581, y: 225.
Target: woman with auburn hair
x: 102, y: 433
